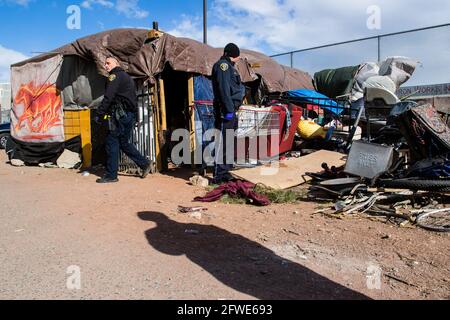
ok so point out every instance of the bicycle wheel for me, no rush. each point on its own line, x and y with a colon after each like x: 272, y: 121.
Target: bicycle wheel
x: 438, y: 221
x: 440, y: 185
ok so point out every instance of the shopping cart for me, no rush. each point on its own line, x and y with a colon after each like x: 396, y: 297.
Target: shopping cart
x: 340, y: 117
x: 265, y: 133
x: 254, y: 121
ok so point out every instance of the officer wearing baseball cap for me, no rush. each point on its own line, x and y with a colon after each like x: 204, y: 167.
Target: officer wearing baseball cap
x: 229, y: 93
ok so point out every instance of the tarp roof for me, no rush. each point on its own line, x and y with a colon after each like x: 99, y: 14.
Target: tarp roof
x: 146, y: 60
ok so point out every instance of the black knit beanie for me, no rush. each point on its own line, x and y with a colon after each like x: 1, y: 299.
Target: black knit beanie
x: 231, y: 50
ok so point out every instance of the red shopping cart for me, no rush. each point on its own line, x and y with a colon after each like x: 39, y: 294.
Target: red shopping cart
x: 265, y: 133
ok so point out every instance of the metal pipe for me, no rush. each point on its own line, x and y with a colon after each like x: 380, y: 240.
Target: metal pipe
x: 139, y: 127
x: 144, y: 132
x: 363, y: 39
x: 148, y: 127
x: 379, y: 49
x: 205, y: 22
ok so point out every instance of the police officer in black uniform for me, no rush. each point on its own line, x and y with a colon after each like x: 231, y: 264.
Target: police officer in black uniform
x: 228, y: 95
x: 119, y: 105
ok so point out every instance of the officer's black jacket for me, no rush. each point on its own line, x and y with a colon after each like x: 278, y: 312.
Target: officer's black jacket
x: 119, y: 86
x: 227, y: 86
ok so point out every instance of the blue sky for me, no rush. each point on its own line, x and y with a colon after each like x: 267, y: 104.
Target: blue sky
x: 40, y: 25
x: 270, y: 26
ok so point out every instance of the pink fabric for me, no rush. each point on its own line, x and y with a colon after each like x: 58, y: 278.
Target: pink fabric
x: 235, y: 188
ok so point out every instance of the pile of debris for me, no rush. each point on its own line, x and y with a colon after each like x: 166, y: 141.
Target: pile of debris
x: 377, y: 154
x: 407, y: 182
x: 397, y: 168
x: 400, y: 206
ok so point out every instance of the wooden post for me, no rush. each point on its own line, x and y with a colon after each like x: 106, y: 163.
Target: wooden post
x: 191, y: 106
x: 162, y: 132
x: 162, y: 95
x: 86, y: 145
x: 156, y: 121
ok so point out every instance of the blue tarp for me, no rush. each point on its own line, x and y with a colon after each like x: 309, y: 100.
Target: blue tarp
x: 314, y: 97
x: 204, y: 110
x: 203, y: 89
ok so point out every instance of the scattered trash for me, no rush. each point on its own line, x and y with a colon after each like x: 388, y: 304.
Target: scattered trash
x: 182, y: 209
x: 195, y: 215
x: 291, y: 232
x: 68, y: 160
x: 20, y: 230
x: 199, y: 181
x: 85, y: 174
x: 399, y: 280
x: 193, y: 212
x: 48, y: 165
x: 404, y: 223
x: 17, y: 163
x: 293, y: 154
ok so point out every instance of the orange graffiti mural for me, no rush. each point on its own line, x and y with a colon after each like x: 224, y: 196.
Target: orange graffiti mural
x: 42, y: 109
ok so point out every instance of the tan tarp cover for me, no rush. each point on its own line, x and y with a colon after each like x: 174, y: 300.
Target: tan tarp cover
x: 290, y: 173
x: 146, y: 60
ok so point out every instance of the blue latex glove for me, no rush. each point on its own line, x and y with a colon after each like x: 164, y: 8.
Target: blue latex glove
x: 229, y: 116
x: 98, y: 120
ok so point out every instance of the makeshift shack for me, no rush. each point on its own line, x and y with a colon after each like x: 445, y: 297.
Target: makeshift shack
x: 55, y: 94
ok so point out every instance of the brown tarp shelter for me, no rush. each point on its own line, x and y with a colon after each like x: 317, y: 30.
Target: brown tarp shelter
x: 164, y: 67
x: 146, y: 60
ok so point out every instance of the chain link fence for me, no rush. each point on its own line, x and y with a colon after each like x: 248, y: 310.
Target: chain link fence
x: 430, y: 46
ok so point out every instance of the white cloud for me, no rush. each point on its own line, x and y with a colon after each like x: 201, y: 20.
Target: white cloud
x: 192, y: 27
x: 292, y: 24
x: 275, y: 26
x: 188, y: 27
x: 87, y: 4
x: 23, y: 3
x: 7, y: 58
x: 131, y: 9
x: 101, y: 25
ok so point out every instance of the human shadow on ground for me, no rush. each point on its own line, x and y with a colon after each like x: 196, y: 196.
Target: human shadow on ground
x: 240, y: 263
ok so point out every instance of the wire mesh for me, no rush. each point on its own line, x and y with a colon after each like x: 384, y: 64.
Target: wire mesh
x: 141, y: 136
x: 256, y: 122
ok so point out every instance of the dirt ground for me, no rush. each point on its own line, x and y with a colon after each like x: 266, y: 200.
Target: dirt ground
x: 128, y: 241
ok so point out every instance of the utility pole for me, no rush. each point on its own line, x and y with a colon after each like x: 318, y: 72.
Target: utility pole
x: 205, y: 22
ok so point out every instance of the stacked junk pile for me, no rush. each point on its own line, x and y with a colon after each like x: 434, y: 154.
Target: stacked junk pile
x: 378, y: 154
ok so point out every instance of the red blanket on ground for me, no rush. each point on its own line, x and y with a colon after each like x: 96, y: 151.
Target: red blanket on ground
x: 235, y: 188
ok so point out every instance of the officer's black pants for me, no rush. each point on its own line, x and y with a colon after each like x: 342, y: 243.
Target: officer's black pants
x: 225, y: 148
x: 119, y: 139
